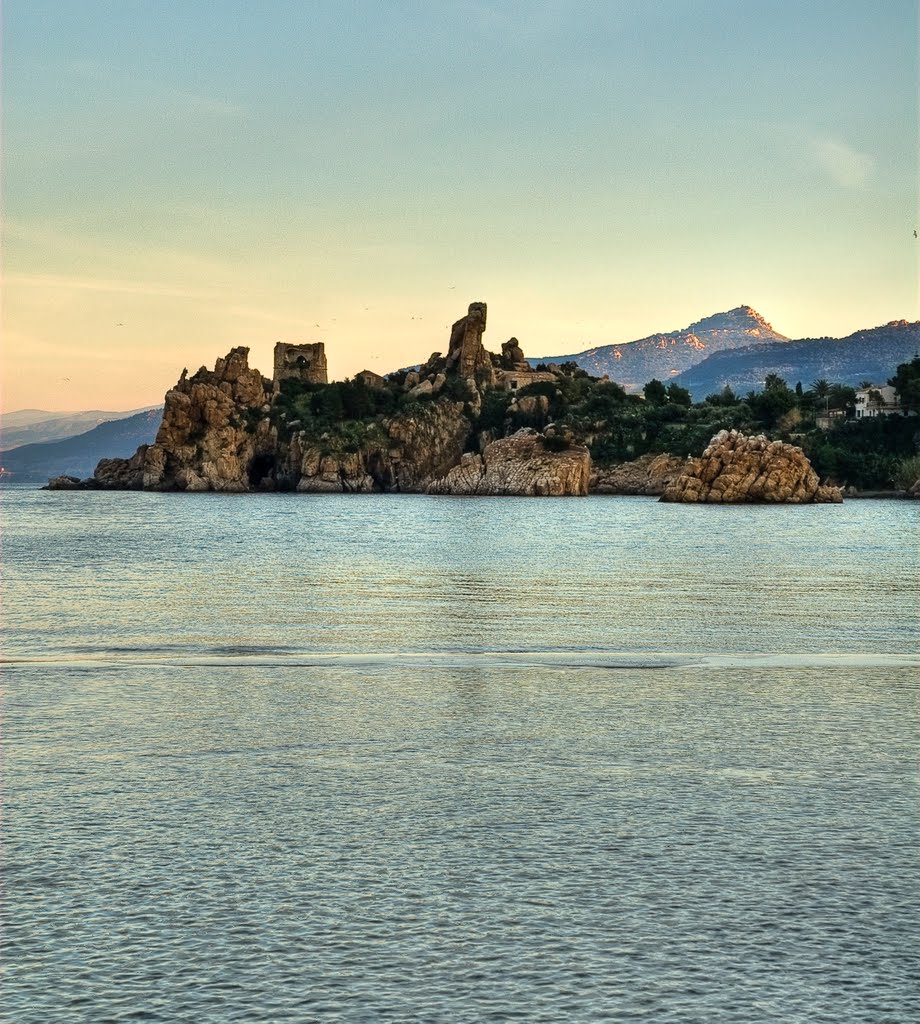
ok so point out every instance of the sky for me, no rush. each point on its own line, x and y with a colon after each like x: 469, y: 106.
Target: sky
x: 182, y: 177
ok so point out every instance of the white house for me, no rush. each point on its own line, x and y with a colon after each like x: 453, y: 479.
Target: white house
x: 880, y: 401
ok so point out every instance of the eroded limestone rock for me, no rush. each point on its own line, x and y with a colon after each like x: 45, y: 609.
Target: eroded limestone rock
x: 122, y: 474
x: 649, y: 474
x: 739, y: 469
x: 519, y: 465
x: 206, y: 441
x: 466, y: 355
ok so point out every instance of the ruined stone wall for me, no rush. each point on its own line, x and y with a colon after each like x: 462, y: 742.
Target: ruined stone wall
x: 300, y: 362
x: 515, y: 380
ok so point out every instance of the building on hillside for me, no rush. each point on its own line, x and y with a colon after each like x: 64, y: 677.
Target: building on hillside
x: 514, y: 380
x: 877, y: 401
x: 370, y: 379
x: 829, y: 418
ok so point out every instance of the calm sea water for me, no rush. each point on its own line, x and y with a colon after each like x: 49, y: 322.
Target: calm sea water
x: 365, y: 758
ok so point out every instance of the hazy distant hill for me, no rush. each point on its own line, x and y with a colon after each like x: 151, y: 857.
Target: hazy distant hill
x: 31, y: 426
x: 77, y: 456
x: 634, y: 363
x: 870, y: 354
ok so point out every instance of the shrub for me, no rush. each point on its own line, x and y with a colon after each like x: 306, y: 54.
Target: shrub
x: 908, y: 473
x: 555, y: 442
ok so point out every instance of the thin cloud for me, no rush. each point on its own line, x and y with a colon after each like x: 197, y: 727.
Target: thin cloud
x: 846, y: 166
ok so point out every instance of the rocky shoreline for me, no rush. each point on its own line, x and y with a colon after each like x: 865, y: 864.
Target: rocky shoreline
x: 450, y: 427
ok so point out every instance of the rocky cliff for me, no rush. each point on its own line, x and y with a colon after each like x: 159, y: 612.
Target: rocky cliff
x: 215, y: 425
x: 406, y: 453
x: 522, y: 465
x: 231, y: 429
x: 649, y: 474
x: 738, y: 469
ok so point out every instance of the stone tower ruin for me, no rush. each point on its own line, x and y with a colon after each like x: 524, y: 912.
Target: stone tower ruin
x: 305, y: 363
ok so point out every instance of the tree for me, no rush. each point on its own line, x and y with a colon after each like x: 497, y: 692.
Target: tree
x: 821, y: 388
x: 679, y: 396
x: 906, y: 382
x: 655, y: 392
x: 841, y: 396
x: 771, y: 404
x: 724, y: 397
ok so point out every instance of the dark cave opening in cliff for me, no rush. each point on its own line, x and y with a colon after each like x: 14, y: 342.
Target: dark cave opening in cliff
x: 262, y: 466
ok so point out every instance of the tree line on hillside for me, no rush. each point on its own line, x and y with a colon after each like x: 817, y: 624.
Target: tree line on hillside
x: 873, y: 453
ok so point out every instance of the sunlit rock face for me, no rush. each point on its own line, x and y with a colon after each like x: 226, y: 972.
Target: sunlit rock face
x: 466, y: 355
x: 649, y: 474
x: 215, y: 424
x: 739, y: 469
x: 224, y: 430
x: 519, y: 465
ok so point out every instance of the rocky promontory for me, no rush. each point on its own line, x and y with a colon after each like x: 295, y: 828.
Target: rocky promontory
x: 231, y: 429
x: 739, y: 469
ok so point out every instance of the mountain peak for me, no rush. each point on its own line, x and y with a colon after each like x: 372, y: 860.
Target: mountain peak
x: 633, y: 363
x: 741, y: 318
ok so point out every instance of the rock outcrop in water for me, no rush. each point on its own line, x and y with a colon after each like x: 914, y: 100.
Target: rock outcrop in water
x: 738, y: 469
x: 522, y: 465
x: 230, y: 429
x: 649, y: 475
x: 215, y: 428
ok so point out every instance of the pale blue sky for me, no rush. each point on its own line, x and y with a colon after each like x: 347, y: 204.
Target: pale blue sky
x: 185, y: 175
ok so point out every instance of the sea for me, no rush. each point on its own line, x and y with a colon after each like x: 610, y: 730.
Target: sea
x: 348, y: 758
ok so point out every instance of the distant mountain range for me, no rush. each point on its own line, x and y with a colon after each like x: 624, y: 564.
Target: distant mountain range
x: 634, y: 363
x: 740, y: 348
x: 77, y: 456
x: 871, y: 355
x: 31, y: 426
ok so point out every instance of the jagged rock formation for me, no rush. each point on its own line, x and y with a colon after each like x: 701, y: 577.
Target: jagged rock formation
x: 649, y: 474
x: 122, y: 474
x: 222, y: 430
x: 519, y: 465
x: 513, y: 356
x: 406, y: 455
x: 64, y: 483
x: 206, y: 441
x: 466, y: 354
x: 739, y: 469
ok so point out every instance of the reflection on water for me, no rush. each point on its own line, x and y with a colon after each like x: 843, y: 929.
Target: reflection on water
x: 283, y: 758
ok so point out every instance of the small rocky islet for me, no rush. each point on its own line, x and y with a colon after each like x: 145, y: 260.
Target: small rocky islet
x: 450, y: 427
